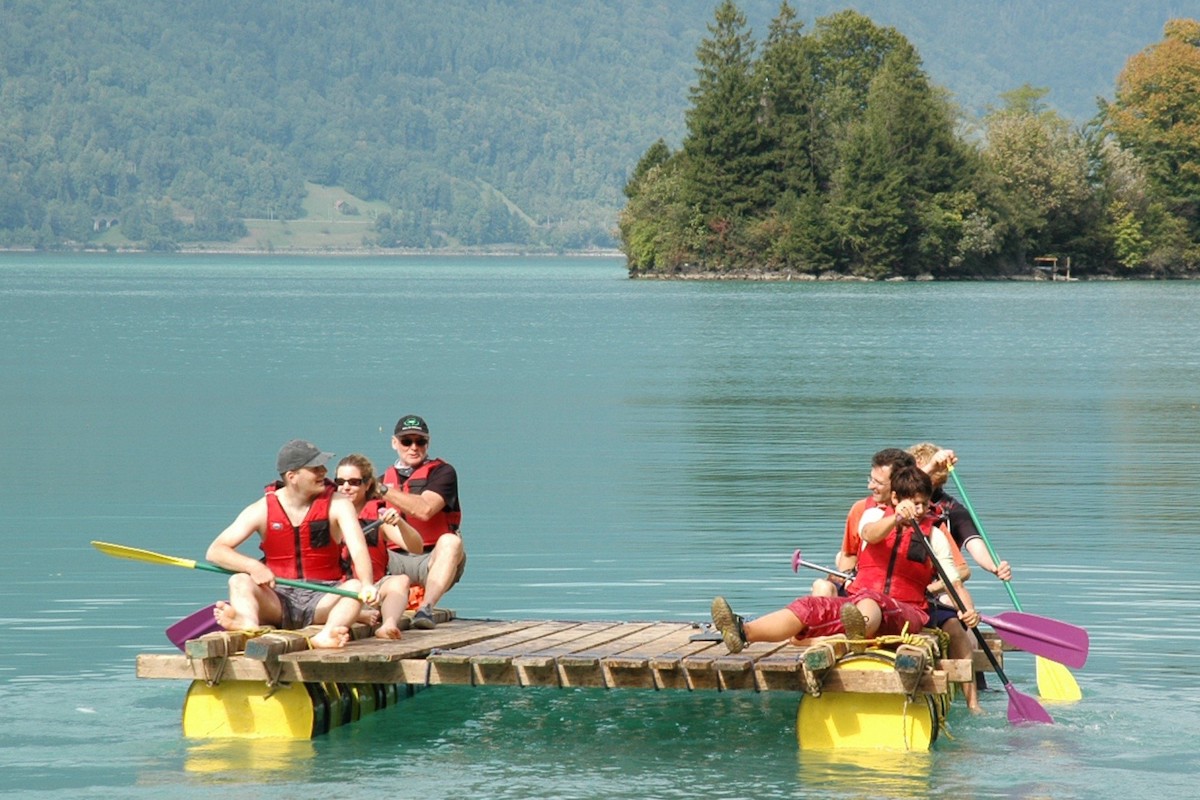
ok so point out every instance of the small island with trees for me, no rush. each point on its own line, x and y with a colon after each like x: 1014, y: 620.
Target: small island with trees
x: 830, y: 155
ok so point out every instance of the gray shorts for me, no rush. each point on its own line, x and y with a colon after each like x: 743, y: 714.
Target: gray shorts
x: 299, y: 605
x: 417, y: 567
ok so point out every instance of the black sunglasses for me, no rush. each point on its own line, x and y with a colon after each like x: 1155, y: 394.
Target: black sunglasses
x: 351, y: 481
x: 409, y: 442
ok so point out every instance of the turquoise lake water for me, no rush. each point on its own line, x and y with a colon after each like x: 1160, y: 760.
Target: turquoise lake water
x: 626, y: 451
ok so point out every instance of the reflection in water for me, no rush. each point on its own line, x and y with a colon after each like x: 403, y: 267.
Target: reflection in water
x: 253, y: 758
x: 865, y: 773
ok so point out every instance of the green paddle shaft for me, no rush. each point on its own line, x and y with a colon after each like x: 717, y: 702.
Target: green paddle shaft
x: 316, y: 587
x: 1054, y: 680
x: 983, y: 535
x: 151, y: 557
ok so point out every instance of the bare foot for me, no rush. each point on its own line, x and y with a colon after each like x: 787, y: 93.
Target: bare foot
x: 338, y: 636
x: 369, y: 616
x: 228, y: 618
x: 388, y: 630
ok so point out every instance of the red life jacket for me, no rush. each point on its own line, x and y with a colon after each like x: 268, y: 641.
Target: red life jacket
x: 377, y: 542
x: 306, y: 551
x: 445, y: 521
x: 898, y: 565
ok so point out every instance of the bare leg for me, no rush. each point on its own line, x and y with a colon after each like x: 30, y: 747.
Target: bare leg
x: 962, y: 646
x: 824, y: 588
x: 778, y: 626
x: 249, y: 606
x: 338, y: 617
x: 447, y: 554
x: 872, y: 613
x: 393, y: 600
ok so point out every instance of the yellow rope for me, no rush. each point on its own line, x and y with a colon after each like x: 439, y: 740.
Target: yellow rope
x: 254, y: 633
x: 929, y: 641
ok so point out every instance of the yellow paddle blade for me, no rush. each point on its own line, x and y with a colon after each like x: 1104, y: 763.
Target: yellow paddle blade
x: 1055, y: 682
x: 121, y: 551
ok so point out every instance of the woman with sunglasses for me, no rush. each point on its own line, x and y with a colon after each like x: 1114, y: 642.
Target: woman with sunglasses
x: 356, y: 481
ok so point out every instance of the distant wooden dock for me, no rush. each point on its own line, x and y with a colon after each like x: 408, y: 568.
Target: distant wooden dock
x: 478, y: 652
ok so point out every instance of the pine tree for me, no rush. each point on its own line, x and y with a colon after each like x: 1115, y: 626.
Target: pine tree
x: 723, y: 149
x: 789, y: 106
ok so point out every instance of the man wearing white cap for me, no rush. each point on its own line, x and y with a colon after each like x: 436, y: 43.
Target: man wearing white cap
x: 302, y: 523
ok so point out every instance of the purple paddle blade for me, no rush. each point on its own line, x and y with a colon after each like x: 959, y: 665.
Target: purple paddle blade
x: 1050, y: 638
x: 1024, y: 709
x: 193, y: 626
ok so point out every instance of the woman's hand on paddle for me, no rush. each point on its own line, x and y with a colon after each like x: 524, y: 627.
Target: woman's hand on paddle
x: 969, y: 618
x: 1004, y: 571
x: 906, y: 513
x: 369, y: 595
x: 390, y: 516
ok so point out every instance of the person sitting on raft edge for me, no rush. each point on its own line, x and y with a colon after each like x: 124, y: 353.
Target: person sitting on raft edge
x: 425, y: 491
x: 301, y: 509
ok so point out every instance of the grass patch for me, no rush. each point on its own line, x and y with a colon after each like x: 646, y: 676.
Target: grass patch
x: 325, y: 224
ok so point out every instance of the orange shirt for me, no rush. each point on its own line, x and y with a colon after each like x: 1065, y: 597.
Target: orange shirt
x: 851, y: 542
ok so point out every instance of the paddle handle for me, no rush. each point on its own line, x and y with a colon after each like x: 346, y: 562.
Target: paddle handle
x: 962, y: 493
x: 316, y: 587
x: 797, y: 561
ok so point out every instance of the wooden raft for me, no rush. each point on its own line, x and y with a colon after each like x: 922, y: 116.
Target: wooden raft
x: 476, y: 652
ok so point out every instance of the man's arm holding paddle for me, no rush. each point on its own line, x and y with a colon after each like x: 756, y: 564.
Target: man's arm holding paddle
x: 400, y: 533
x: 224, y: 553
x: 960, y: 522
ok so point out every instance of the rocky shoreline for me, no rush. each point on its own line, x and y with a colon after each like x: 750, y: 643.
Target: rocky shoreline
x: 772, y: 276
x: 751, y: 275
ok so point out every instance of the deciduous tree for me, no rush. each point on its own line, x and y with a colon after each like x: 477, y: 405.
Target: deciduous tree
x: 1156, y: 113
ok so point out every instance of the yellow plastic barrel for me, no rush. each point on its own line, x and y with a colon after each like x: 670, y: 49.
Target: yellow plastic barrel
x: 862, y: 720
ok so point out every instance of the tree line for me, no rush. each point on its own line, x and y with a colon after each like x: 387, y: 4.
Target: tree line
x: 831, y: 151
x: 476, y: 123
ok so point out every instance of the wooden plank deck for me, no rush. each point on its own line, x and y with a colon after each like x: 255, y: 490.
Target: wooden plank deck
x: 611, y: 655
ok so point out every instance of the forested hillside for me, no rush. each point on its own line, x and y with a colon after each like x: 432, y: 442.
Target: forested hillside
x: 456, y: 123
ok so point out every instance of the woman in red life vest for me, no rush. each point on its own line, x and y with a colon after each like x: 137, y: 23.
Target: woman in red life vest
x: 356, y: 481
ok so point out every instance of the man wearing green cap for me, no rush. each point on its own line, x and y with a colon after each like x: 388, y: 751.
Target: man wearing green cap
x: 425, y: 491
